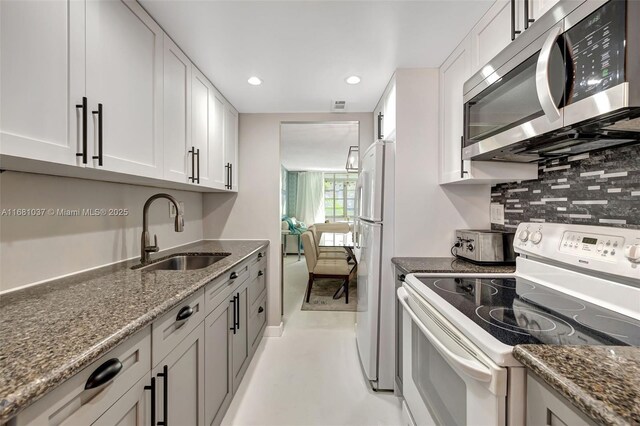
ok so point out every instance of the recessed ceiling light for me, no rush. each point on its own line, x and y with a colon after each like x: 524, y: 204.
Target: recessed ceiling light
x: 354, y: 79
x: 254, y: 81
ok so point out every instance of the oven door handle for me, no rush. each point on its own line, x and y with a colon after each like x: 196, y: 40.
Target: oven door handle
x: 475, y: 370
x: 543, y: 87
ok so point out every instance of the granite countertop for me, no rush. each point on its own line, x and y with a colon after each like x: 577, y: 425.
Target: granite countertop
x: 448, y: 265
x: 51, y: 331
x: 601, y: 381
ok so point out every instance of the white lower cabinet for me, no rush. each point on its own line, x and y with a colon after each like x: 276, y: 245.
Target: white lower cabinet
x: 183, y: 370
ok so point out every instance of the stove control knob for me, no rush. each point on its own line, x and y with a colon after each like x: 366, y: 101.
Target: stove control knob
x: 536, y: 237
x: 632, y: 252
x: 523, y: 235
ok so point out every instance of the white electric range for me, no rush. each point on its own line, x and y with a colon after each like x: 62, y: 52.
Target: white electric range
x: 573, y: 285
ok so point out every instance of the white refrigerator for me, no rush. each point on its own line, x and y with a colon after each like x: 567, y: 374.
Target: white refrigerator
x: 374, y: 249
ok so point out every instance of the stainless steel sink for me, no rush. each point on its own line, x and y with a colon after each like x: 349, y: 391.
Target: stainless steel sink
x: 183, y: 262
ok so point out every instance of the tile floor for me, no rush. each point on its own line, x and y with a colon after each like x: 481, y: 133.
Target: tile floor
x: 311, y: 375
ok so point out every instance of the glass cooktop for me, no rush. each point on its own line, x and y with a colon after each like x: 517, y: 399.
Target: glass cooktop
x: 517, y: 311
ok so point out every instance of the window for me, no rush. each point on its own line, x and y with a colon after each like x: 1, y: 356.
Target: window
x: 339, y: 197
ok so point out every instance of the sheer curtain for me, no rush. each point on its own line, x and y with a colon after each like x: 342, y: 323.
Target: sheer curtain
x: 310, y: 199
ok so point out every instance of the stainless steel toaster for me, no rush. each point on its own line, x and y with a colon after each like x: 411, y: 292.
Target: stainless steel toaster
x: 485, y: 246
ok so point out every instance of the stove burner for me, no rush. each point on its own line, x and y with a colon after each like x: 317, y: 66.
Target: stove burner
x: 493, y: 281
x: 609, y: 325
x: 534, y: 321
x: 554, y: 301
x: 461, y: 286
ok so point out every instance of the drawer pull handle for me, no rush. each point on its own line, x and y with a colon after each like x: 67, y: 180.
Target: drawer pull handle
x: 104, y: 374
x: 152, y: 388
x: 260, y: 273
x: 184, y: 314
x: 260, y: 310
x: 233, y: 276
x: 259, y: 255
x: 165, y: 396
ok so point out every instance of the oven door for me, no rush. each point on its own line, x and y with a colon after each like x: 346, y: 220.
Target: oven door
x: 447, y: 381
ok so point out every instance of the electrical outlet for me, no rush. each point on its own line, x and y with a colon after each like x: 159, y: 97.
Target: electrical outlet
x: 497, y: 213
x: 172, y: 209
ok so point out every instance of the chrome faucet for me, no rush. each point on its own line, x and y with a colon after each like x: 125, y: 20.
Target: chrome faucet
x: 145, y: 248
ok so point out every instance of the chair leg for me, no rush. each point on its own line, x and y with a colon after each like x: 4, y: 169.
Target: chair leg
x: 309, y: 285
x: 346, y: 290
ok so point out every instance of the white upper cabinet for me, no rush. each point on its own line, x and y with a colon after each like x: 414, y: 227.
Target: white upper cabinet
x: 492, y: 33
x: 201, y: 131
x: 216, y: 156
x: 42, y: 79
x: 384, y: 116
x: 453, y: 73
x: 177, y: 112
x: 124, y: 74
x: 537, y: 8
x: 489, y: 36
x: 231, y: 146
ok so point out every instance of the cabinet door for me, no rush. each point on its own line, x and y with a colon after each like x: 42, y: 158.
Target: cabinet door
x: 231, y: 144
x: 389, y: 122
x: 42, y: 79
x: 217, y: 158
x: 180, y: 388
x: 201, y: 132
x: 177, y: 112
x: 378, y: 123
x: 124, y: 74
x: 240, y: 346
x: 132, y: 409
x: 492, y: 33
x: 540, y: 7
x: 218, y: 383
x: 453, y: 73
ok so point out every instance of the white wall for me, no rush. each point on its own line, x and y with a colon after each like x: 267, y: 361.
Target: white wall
x: 427, y: 214
x: 255, y: 211
x: 33, y: 249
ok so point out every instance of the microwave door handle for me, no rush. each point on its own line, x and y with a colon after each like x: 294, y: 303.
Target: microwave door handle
x: 475, y: 370
x: 543, y: 88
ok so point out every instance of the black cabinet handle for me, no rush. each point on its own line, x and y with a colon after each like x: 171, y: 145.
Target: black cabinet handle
x: 152, y: 388
x: 259, y: 255
x: 197, y: 154
x: 83, y: 154
x: 226, y: 185
x: 401, y: 277
x: 527, y: 20
x: 380, y: 117
x: 233, y: 276
x: 99, y: 156
x: 260, y: 273
x: 230, y: 175
x: 192, y: 152
x: 104, y: 374
x: 513, y: 20
x: 260, y: 310
x: 238, y: 299
x: 234, y: 315
x: 462, y: 170
x: 165, y: 396
x: 184, y: 314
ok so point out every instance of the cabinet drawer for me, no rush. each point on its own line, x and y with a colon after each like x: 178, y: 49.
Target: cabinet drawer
x: 71, y: 404
x: 257, y: 322
x: 219, y: 289
x: 257, y: 282
x: 168, y: 331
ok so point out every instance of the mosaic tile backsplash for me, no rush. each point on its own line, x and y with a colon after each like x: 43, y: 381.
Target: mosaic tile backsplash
x: 599, y: 188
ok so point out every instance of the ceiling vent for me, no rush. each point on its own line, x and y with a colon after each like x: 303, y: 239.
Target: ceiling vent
x: 338, y: 106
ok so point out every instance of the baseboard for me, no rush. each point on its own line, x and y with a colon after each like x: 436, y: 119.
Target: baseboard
x: 274, y: 330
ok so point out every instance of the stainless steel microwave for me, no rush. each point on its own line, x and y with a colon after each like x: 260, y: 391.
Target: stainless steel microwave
x: 568, y: 85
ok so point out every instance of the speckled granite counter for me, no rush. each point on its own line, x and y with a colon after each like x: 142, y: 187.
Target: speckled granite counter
x: 51, y: 331
x: 601, y: 381
x: 446, y: 265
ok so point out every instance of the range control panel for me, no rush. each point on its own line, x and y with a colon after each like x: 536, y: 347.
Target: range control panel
x: 598, y: 248
x: 604, y: 247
